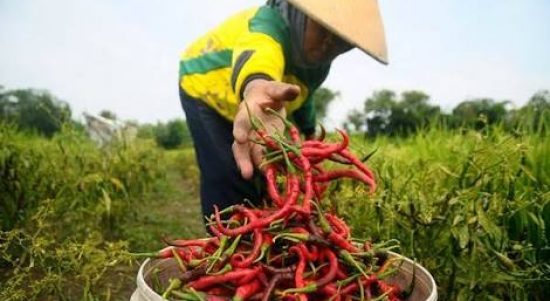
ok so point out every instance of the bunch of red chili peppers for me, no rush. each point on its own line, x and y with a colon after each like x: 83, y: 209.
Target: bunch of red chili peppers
x: 291, y: 249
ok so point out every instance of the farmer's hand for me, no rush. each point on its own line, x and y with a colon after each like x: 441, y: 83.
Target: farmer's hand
x: 259, y: 94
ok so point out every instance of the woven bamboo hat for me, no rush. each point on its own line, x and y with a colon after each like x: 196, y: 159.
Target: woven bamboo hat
x: 356, y: 21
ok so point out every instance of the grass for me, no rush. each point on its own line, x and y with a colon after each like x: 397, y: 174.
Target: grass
x: 173, y: 211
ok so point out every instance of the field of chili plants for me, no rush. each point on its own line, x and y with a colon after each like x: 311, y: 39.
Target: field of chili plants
x: 65, y: 211
x: 471, y: 206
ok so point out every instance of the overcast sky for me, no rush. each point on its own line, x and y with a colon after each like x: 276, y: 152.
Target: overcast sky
x: 123, y: 55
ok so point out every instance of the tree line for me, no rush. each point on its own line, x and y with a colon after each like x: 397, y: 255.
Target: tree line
x: 384, y: 113
x: 387, y: 113
x: 40, y: 112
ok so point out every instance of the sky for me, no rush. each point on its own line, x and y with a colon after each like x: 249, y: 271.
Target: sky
x: 123, y: 55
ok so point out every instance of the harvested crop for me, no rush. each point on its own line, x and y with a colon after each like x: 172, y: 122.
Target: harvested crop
x: 289, y: 249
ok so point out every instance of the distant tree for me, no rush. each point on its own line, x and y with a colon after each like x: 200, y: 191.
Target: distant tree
x: 379, y: 110
x: 173, y: 134
x: 108, y: 114
x: 386, y: 114
x: 322, y: 97
x: 540, y: 101
x: 413, y: 112
x: 480, y: 112
x: 35, y: 110
x: 146, y: 131
x: 534, y: 116
x: 539, y: 107
x: 355, y: 118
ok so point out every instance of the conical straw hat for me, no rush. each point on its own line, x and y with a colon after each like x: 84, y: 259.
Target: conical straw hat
x: 356, y: 21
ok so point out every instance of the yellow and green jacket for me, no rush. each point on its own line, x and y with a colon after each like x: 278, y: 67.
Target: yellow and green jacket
x: 251, y: 44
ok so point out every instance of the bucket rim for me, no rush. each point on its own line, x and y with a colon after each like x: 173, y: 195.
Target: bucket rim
x: 432, y: 284
x: 142, y: 284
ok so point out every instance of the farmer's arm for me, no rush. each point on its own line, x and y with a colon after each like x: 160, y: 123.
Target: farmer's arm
x: 258, y: 67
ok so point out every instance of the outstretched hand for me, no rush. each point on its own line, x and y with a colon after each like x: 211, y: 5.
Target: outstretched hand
x: 259, y: 95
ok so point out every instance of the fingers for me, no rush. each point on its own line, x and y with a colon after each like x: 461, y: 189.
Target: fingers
x: 240, y: 147
x: 241, y: 152
x: 261, y: 95
x: 282, y: 91
x: 257, y: 154
x: 241, y: 125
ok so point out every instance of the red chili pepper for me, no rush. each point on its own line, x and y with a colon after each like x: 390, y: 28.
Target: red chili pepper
x: 355, y: 161
x: 339, y: 225
x: 238, y: 260
x: 315, y: 144
x: 348, y: 173
x: 311, y: 256
x: 250, y: 277
x: 341, y: 273
x: 165, y: 253
x: 269, y: 142
x: 332, y: 290
x: 262, y: 222
x: 271, y: 179
x: 273, y: 283
x: 308, y: 179
x: 322, y: 135
x: 390, y: 290
x: 274, y: 271
x: 267, y: 242
x: 245, y: 291
x: 199, y: 296
x: 228, y: 277
x: 220, y: 291
x: 300, y: 267
x: 341, y: 242
x: 332, y: 236
x: 333, y: 268
x: 327, y: 278
x: 328, y: 150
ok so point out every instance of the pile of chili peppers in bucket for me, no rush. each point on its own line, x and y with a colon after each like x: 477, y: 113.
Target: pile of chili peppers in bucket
x: 291, y: 249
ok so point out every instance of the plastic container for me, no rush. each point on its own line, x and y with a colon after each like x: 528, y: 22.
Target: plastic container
x: 425, y: 287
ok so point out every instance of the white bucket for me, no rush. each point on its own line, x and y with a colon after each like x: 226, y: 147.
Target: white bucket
x: 425, y: 288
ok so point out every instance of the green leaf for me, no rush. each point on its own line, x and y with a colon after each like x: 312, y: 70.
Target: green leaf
x: 489, y: 227
x: 462, y: 235
x: 457, y: 220
x: 117, y: 183
x: 107, y: 201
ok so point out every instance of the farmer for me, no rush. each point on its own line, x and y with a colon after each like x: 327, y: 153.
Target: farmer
x: 274, y: 56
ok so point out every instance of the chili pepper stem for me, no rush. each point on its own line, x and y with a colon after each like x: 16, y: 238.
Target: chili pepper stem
x: 310, y: 288
x: 275, y: 113
x: 217, y: 255
x: 174, y: 284
x: 223, y: 270
x: 271, y: 161
x: 280, y: 141
x: 145, y: 254
x: 196, y: 294
x: 178, y: 259
x: 349, y: 259
x: 296, y: 237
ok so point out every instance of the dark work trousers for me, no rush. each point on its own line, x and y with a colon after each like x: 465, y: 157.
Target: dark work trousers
x: 221, y: 183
